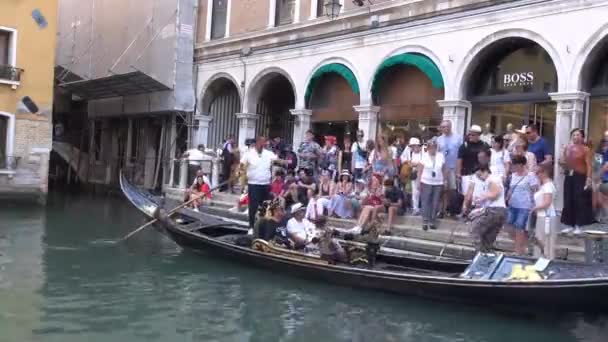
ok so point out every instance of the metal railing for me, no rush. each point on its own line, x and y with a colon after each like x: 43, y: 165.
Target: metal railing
x: 10, y: 73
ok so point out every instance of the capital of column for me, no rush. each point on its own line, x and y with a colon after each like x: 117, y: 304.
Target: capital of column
x: 570, y: 101
x: 454, y: 103
x: 203, y: 120
x: 367, y: 108
x: 247, y: 116
x: 301, y: 112
x: 367, y: 112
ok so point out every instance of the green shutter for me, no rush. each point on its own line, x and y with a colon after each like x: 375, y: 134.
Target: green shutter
x: 419, y: 61
x: 337, y: 68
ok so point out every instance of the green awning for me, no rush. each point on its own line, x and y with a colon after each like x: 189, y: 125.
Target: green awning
x: 337, y: 68
x: 419, y: 61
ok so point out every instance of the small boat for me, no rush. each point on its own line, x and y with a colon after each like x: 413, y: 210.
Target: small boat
x: 491, y: 280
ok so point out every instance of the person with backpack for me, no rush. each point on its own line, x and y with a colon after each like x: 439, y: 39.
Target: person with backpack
x: 359, y: 155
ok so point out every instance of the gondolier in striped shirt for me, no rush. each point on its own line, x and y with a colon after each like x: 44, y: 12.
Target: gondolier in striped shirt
x: 258, y: 162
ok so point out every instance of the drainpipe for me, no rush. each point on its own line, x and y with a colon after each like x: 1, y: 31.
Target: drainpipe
x: 245, y: 52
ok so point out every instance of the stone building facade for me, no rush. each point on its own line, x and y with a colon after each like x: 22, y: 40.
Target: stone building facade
x: 27, y: 39
x: 401, y: 66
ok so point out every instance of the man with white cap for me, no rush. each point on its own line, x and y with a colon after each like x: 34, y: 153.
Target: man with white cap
x: 468, y: 160
x: 411, y: 158
x: 300, y: 230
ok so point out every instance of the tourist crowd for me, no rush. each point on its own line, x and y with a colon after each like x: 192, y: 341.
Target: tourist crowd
x: 494, y: 181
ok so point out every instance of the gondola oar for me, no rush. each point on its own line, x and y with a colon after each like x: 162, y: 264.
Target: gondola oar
x: 170, y: 212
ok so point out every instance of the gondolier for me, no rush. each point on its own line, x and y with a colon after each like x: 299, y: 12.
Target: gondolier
x: 258, y: 162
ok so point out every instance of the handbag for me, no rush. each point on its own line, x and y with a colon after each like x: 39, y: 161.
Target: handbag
x: 510, y: 193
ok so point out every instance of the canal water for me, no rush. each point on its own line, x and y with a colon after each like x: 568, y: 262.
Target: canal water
x: 63, y: 278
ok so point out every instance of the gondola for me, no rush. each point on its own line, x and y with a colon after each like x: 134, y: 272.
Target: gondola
x: 147, y: 204
x: 491, y: 280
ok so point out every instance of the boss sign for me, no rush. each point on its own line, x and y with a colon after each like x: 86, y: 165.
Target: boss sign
x: 518, y: 79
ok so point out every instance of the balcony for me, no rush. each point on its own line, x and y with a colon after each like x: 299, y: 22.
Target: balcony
x: 9, y: 74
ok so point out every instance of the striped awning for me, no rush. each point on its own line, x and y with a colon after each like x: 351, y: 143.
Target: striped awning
x: 337, y: 68
x: 419, y: 61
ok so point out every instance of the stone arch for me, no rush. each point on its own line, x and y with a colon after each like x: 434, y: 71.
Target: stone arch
x: 338, y: 60
x: 584, y: 59
x: 475, y: 54
x: 418, y: 49
x: 210, y: 89
x: 10, y: 137
x: 257, y: 84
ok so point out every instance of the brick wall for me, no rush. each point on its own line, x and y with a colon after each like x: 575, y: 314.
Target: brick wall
x: 248, y: 15
x: 31, y: 131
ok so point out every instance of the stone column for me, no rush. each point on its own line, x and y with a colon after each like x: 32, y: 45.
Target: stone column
x: 247, y: 123
x: 569, y: 115
x: 456, y: 111
x: 202, y: 131
x: 300, y: 126
x: 368, y: 120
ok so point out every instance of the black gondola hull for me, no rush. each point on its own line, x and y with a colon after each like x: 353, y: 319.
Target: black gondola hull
x: 584, y: 296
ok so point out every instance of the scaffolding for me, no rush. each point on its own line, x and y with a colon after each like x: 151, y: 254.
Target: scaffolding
x: 125, y: 49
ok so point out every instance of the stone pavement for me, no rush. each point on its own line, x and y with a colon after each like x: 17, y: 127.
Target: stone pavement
x: 452, y: 236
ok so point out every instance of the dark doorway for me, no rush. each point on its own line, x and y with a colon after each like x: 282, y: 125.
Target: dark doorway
x: 275, y: 102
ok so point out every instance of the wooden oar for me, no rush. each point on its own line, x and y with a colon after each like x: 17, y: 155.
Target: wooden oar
x: 170, y: 212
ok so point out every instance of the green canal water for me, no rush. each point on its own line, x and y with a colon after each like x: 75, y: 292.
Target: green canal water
x: 63, y: 279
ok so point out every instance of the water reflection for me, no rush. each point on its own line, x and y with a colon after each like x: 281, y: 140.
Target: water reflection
x: 89, y: 288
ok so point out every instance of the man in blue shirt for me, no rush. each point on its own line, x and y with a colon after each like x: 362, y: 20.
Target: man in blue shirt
x: 537, y: 145
x: 448, y: 144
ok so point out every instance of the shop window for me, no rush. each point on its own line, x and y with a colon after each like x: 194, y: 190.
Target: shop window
x: 219, y: 13
x: 285, y: 11
x: 521, y: 67
x: 499, y: 116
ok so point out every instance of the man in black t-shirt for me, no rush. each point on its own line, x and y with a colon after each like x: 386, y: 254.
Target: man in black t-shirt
x: 468, y: 160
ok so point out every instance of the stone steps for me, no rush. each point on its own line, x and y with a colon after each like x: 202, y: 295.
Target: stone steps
x: 452, y: 236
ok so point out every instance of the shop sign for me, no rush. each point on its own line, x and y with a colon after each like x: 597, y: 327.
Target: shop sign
x: 518, y: 79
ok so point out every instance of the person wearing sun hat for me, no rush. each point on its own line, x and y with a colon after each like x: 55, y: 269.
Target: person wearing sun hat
x: 411, y: 158
x: 299, y: 229
x: 468, y: 160
x: 341, y: 205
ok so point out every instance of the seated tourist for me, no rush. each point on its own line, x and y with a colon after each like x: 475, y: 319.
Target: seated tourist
x: 393, y: 201
x: 358, y: 196
x: 311, y: 207
x: 270, y: 217
x: 372, y: 204
x: 242, y: 205
x: 276, y: 187
x: 326, y: 189
x: 199, y: 192
x: 305, y: 182
x: 300, y: 230
x: 341, y: 203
